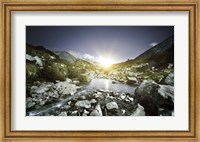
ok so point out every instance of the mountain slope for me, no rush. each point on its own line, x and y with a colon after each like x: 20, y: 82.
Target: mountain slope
x: 157, y: 56
x: 66, y: 56
x: 160, y: 54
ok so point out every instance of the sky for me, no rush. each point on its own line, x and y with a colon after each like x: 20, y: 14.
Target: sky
x: 117, y: 42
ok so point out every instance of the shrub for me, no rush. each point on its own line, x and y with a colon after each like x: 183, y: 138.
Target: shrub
x: 53, y: 72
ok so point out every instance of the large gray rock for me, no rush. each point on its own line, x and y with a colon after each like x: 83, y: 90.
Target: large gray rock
x: 83, y: 103
x: 153, y: 96
x: 111, y: 106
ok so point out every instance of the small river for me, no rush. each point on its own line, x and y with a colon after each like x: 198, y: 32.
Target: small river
x: 107, y: 84
x: 95, y: 84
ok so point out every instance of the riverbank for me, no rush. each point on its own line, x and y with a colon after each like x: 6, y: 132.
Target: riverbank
x: 101, y: 97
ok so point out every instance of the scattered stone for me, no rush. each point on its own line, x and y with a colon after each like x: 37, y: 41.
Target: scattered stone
x: 131, y: 99
x: 82, y: 97
x: 41, y: 89
x: 68, y: 80
x: 98, y: 95
x: 57, y: 81
x: 166, y: 91
x: 103, y: 91
x: 38, y: 61
x: 66, y: 107
x: 28, y: 99
x: 29, y: 58
x: 75, y: 113
x: 93, y: 101
x: 114, y: 82
x: 66, y: 88
x: 97, y: 111
x: 69, y: 103
x: 111, y: 106
x: 170, y: 65
x: 132, y: 80
x: 63, y: 113
x: 123, y: 96
x: 169, y: 80
x: 76, y: 82
x: 123, y: 111
x: 55, y: 96
x: 139, y: 111
x: 37, y: 106
x: 83, y: 103
x: 42, y: 103
x: 86, y: 112
x: 30, y: 104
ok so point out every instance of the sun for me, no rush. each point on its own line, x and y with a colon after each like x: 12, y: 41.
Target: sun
x: 105, y: 62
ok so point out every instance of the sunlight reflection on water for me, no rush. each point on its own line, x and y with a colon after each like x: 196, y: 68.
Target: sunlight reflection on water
x: 106, y: 84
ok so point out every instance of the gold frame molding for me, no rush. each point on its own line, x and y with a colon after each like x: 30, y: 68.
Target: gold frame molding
x: 8, y: 6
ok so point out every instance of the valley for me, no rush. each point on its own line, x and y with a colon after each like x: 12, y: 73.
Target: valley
x: 60, y: 84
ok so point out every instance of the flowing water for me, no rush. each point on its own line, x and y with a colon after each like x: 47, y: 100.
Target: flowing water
x: 95, y: 84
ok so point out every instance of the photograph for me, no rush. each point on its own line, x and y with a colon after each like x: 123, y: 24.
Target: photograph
x: 99, y: 71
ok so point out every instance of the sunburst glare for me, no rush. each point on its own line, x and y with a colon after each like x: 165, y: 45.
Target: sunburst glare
x: 105, y: 62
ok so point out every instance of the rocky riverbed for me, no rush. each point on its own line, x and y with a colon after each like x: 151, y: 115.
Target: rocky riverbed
x: 70, y: 98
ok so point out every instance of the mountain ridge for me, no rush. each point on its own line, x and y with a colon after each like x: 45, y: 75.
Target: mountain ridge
x: 156, y: 56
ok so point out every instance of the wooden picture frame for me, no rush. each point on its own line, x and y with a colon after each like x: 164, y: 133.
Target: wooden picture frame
x: 8, y: 6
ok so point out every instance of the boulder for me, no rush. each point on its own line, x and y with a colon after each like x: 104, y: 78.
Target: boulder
x: 68, y: 80
x: 103, y: 91
x: 42, y: 103
x: 132, y: 80
x: 123, y: 96
x: 166, y: 91
x: 112, y: 106
x: 30, y: 104
x: 114, y: 82
x: 41, y: 89
x: 38, y: 61
x: 82, y: 97
x: 93, y: 101
x: 29, y: 58
x: 139, y: 111
x: 66, y: 88
x: 169, y: 80
x: 84, y: 103
x: 63, y: 113
x: 153, y: 96
x: 76, y: 82
x: 85, y: 113
x: 98, y: 95
x: 97, y: 111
